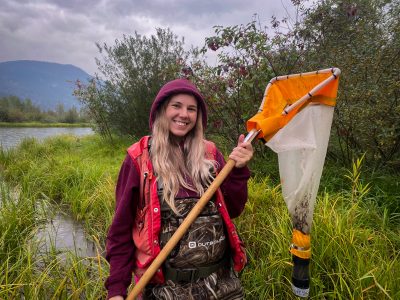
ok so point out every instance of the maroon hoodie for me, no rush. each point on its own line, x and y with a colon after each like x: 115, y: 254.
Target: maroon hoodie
x: 120, y: 247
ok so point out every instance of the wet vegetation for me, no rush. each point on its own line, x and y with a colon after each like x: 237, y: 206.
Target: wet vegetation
x: 355, y: 240
x: 356, y: 226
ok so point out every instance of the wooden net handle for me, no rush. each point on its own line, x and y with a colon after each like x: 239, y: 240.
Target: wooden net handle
x: 182, y: 229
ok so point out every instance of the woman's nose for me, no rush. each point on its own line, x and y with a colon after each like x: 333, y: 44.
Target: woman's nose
x: 184, y: 113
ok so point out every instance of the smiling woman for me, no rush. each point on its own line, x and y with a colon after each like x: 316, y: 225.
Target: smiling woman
x: 161, y: 179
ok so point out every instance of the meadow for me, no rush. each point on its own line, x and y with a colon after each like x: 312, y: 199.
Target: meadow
x: 355, y: 234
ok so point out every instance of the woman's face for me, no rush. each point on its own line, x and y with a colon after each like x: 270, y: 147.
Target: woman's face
x: 181, y: 114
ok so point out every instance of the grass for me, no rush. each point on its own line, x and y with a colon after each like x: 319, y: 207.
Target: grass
x: 66, y: 173
x: 40, y: 124
x: 355, y: 248
x: 77, y: 173
x: 355, y: 236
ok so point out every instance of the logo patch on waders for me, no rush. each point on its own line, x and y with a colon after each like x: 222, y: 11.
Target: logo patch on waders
x: 202, y: 246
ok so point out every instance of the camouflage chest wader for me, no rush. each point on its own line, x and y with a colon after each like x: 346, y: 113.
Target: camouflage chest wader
x: 198, y: 267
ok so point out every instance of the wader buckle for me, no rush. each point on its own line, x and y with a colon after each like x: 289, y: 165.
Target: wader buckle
x: 191, y: 275
x: 187, y: 275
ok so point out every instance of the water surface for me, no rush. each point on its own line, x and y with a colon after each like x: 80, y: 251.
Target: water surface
x: 61, y: 233
x: 12, y: 136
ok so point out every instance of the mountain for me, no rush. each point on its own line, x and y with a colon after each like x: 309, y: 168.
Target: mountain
x: 46, y: 84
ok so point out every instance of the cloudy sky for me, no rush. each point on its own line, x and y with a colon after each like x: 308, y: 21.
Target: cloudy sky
x: 65, y: 31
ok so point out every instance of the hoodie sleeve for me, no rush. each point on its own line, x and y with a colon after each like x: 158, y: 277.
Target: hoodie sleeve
x: 234, y: 187
x: 119, y: 244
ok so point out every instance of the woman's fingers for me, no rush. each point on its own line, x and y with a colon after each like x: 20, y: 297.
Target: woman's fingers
x: 242, y: 153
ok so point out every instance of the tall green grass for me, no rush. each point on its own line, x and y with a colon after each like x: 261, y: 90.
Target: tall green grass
x: 25, y: 272
x: 355, y: 247
x: 65, y: 173
x: 76, y: 173
x: 355, y: 240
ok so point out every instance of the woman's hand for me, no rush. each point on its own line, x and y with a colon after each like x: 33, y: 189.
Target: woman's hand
x: 116, y: 298
x: 242, y: 153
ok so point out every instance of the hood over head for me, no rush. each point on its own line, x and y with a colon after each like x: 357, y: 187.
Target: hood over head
x: 178, y: 86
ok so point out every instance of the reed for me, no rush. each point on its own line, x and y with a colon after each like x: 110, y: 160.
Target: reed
x: 355, y: 239
x: 356, y: 249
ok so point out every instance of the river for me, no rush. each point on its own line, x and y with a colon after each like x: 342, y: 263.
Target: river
x: 12, y: 136
x: 61, y: 232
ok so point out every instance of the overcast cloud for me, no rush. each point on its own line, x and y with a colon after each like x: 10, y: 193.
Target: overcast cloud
x: 65, y: 31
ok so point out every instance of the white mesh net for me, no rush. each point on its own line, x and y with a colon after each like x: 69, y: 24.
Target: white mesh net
x: 301, y: 146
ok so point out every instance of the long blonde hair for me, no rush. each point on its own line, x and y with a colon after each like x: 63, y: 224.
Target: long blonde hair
x: 173, y: 164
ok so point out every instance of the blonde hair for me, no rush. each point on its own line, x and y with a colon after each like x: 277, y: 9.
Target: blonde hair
x: 173, y: 164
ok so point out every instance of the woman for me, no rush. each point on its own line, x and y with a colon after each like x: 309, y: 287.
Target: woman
x: 160, y: 180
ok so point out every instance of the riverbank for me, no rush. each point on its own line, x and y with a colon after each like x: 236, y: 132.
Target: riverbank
x: 40, y: 125
x: 356, y: 243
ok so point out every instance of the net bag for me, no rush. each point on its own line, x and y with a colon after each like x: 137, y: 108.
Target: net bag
x: 295, y: 120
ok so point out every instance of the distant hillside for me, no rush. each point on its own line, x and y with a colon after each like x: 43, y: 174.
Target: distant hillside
x: 46, y: 84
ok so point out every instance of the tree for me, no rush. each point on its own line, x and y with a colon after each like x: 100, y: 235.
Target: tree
x: 132, y: 72
x: 361, y: 37
x: 13, y: 109
x: 71, y: 115
x: 248, y: 57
